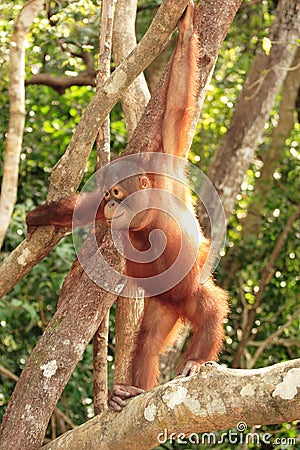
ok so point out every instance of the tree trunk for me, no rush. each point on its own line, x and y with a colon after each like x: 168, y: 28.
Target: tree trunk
x: 137, y: 95
x: 14, y: 138
x: 251, y: 225
x: 128, y: 310
x: 254, y: 105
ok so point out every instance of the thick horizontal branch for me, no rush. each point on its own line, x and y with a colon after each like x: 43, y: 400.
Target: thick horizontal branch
x: 215, y: 399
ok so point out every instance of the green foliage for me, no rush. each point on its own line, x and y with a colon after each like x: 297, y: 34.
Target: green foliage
x: 59, y: 41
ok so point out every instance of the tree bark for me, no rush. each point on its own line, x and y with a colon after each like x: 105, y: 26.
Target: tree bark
x: 257, y: 98
x: 272, y: 158
x: 100, y: 385
x: 216, y: 398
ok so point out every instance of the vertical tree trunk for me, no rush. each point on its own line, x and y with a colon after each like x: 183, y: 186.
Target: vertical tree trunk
x: 137, y: 95
x: 129, y: 310
x: 14, y: 138
x: 100, y: 386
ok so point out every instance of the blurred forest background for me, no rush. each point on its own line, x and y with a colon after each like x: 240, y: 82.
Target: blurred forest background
x: 269, y: 193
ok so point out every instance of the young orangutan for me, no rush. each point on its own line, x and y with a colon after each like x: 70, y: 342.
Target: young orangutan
x: 204, y: 305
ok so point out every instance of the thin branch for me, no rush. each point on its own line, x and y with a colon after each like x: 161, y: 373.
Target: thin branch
x: 7, y: 373
x: 60, y: 84
x: 128, y: 313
